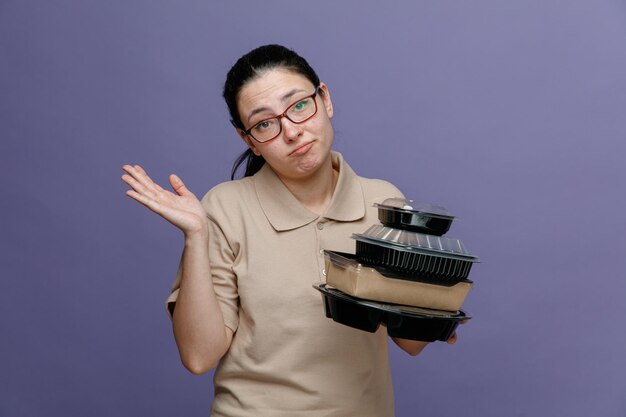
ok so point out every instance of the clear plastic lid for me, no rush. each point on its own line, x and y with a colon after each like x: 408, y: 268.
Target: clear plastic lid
x: 412, y: 206
x: 418, y: 242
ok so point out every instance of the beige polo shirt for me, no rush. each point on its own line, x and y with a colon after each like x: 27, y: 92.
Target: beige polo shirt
x: 286, y: 357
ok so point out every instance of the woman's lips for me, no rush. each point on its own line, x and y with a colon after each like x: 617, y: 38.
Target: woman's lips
x: 301, y: 150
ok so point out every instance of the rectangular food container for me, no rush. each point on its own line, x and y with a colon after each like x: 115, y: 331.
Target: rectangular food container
x: 401, y: 321
x: 350, y: 276
x: 415, y: 256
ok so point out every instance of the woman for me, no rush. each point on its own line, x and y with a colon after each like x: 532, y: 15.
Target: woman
x: 243, y: 299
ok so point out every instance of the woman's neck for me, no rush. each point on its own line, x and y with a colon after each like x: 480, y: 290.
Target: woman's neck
x: 316, y: 191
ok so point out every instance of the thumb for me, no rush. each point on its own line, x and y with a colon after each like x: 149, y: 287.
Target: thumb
x: 178, y: 185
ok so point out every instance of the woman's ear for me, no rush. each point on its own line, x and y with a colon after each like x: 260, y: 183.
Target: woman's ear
x: 249, y: 142
x: 325, y: 95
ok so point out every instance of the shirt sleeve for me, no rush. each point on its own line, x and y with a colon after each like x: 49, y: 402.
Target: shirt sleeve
x: 221, y: 259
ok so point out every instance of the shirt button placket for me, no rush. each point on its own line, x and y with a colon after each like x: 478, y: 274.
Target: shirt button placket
x: 321, y: 261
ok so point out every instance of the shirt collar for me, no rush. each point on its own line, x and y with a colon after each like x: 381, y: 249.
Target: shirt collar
x: 285, y: 212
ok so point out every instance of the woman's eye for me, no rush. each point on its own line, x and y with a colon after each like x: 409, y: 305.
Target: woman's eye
x: 264, y: 125
x: 301, y: 105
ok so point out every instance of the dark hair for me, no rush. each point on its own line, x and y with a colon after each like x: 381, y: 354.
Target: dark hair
x: 247, y: 68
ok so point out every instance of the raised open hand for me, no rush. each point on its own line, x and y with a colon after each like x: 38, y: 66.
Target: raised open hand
x: 181, y: 208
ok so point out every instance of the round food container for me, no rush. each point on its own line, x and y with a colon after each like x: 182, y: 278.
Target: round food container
x: 415, y: 216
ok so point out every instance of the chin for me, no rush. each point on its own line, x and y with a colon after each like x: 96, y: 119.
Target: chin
x: 312, y: 163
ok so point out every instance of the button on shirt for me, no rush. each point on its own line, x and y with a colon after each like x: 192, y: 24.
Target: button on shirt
x: 266, y: 252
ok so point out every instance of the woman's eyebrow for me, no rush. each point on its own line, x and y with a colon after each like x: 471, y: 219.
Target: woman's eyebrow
x: 291, y: 93
x: 284, y: 98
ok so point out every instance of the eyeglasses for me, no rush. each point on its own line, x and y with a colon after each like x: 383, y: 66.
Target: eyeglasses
x: 298, y: 112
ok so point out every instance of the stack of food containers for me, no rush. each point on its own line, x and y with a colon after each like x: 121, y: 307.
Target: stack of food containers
x: 404, y: 275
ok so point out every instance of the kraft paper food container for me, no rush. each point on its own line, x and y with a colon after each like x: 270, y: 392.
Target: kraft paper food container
x: 351, y: 277
x: 416, y: 256
x: 401, y: 321
x: 415, y: 216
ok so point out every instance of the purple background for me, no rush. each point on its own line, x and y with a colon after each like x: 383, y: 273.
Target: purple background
x: 511, y: 114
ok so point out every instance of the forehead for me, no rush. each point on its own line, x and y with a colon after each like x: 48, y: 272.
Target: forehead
x: 271, y: 90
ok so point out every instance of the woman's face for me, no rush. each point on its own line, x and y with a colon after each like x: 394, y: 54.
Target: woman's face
x: 300, y: 149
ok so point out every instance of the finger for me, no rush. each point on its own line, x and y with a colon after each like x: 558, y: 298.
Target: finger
x: 146, y: 201
x: 132, y: 172
x: 178, y: 185
x: 139, y: 169
x: 452, y: 339
x: 141, y: 176
x: 144, y: 177
x: 136, y: 185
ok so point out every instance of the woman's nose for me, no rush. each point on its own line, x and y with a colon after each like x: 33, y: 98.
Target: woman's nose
x: 291, y: 130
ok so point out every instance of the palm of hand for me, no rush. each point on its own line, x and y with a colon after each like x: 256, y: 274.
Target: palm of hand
x: 182, y: 208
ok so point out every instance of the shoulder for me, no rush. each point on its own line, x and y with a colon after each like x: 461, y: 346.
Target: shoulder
x: 374, y: 190
x: 229, y: 197
x: 377, y: 190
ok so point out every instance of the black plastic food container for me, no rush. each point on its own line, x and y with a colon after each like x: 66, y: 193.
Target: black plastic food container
x: 415, y: 256
x: 356, y: 315
x: 424, y: 326
x: 401, y: 321
x: 414, y: 216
